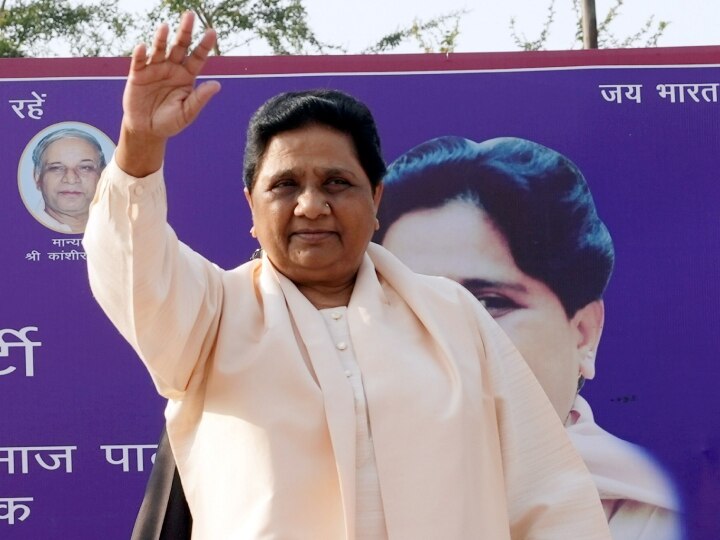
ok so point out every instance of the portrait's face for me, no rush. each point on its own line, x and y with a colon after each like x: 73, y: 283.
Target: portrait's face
x: 460, y: 242
x: 313, y: 206
x: 69, y: 173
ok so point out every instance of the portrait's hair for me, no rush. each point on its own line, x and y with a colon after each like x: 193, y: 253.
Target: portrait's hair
x: 537, y: 198
x: 293, y: 110
x: 64, y: 133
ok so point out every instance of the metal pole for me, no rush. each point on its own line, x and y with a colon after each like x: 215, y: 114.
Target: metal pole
x: 589, y: 25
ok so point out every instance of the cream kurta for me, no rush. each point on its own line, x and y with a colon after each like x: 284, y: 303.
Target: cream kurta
x: 261, y: 416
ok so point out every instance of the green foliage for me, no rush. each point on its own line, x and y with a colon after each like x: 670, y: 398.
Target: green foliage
x: 436, y: 35
x: 54, y: 27
x: 281, y: 24
x: 647, y: 35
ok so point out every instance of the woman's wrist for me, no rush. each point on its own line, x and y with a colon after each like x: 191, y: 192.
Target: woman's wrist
x: 139, y: 154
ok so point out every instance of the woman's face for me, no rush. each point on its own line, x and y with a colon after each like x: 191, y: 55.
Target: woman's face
x: 460, y: 242
x: 313, y: 206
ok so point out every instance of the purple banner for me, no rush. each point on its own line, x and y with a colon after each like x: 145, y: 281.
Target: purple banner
x: 80, y: 416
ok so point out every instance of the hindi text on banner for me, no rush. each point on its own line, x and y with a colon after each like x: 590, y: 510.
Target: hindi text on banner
x: 57, y: 454
x: 125, y: 456
x: 34, y: 106
x: 24, y: 342
x: 11, y: 506
x: 614, y: 93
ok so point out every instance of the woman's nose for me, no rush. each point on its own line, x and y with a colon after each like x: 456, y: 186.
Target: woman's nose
x: 312, y: 204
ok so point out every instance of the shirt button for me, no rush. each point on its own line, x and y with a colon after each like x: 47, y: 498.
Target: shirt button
x: 348, y: 373
x: 336, y: 315
x: 341, y: 346
x: 139, y: 190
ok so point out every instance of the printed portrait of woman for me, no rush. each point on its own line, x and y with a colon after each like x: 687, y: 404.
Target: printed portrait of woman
x: 516, y: 224
x: 58, y: 174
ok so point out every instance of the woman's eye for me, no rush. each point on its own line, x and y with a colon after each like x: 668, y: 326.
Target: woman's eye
x: 497, y: 305
x: 283, y: 184
x: 336, y: 184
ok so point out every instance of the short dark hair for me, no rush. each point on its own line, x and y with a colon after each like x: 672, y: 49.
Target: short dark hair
x: 332, y: 108
x: 536, y: 197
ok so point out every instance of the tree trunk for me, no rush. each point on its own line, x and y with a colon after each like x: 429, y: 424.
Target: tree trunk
x: 589, y: 25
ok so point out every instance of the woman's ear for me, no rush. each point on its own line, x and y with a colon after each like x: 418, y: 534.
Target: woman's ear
x: 377, y: 195
x: 589, y: 322
x: 248, y: 198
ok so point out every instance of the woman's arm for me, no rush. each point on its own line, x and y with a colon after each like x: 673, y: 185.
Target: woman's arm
x: 163, y: 298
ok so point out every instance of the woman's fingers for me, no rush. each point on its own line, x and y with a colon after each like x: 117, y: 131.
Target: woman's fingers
x: 183, y: 38
x: 159, y: 46
x: 160, y: 88
x: 197, y: 58
x: 199, y: 97
x: 178, y: 53
x: 139, y: 58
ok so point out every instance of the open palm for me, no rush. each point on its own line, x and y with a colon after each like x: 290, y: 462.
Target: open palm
x: 160, y: 98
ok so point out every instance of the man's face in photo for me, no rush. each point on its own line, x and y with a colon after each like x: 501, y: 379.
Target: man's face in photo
x: 70, y: 170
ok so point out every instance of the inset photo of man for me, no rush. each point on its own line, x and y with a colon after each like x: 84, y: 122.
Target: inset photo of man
x: 58, y: 174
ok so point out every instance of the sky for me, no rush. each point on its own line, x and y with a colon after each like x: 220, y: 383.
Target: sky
x: 356, y: 24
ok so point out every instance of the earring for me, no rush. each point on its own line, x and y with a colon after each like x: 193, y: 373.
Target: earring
x: 377, y: 224
x: 252, y: 231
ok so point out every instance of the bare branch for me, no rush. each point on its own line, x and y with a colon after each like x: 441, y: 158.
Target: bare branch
x: 438, y: 34
x: 648, y: 35
x: 539, y: 43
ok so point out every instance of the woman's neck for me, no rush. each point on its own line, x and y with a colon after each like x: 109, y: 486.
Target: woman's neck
x: 324, y: 297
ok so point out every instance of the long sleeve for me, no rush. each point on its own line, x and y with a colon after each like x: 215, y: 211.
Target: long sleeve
x: 164, y: 298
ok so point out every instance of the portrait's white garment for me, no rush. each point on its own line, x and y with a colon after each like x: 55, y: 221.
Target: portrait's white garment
x: 262, y: 418
x: 46, y: 219
x: 638, y: 500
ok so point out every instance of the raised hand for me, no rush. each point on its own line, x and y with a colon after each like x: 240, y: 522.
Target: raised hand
x: 160, y: 98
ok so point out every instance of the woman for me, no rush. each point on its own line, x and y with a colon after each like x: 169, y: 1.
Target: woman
x: 516, y: 224
x: 323, y: 391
